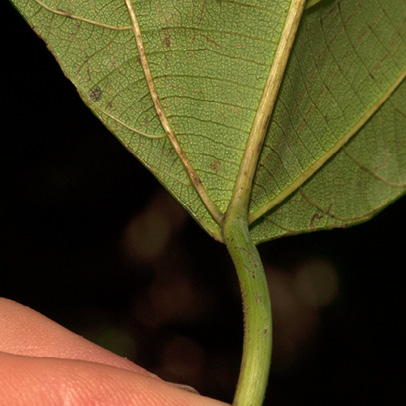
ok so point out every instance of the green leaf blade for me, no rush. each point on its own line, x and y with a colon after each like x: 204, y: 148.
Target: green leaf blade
x: 210, y: 61
x: 339, y: 73
x: 210, y: 78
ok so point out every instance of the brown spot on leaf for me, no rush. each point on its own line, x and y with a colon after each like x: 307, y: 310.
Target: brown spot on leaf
x: 95, y: 94
x: 314, y: 218
x: 317, y: 216
x: 215, y: 165
x: 167, y: 39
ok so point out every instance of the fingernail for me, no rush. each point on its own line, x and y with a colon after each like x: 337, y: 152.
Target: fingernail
x: 187, y: 388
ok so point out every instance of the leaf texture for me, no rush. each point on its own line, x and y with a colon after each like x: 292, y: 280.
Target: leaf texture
x: 335, y: 151
x: 345, y: 80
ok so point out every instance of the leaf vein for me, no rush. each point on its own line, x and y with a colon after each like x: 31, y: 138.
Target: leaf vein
x: 82, y: 19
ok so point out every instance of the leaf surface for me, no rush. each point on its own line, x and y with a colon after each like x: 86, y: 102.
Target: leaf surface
x: 336, y: 148
x: 335, y: 151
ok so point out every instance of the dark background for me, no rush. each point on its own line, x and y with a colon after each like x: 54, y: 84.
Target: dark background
x: 93, y: 241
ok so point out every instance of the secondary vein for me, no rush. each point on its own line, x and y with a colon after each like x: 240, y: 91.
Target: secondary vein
x: 83, y: 19
x: 196, y: 182
x: 325, y: 157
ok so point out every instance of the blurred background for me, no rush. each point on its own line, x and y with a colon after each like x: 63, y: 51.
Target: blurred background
x: 90, y: 239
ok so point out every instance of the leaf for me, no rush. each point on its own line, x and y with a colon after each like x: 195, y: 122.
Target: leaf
x: 345, y: 81
x: 335, y: 150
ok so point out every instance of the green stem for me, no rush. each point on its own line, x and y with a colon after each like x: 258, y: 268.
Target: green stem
x: 256, y: 359
x: 257, y: 348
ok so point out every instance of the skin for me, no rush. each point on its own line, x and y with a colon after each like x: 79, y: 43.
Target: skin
x: 44, y: 364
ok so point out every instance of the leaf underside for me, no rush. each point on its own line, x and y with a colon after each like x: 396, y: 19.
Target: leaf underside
x: 335, y: 150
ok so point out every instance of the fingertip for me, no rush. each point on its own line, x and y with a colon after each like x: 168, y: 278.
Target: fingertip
x: 54, y: 382
x: 24, y: 331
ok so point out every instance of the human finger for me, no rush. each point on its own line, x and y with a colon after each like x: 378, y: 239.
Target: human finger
x: 46, y: 381
x: 23, y: 331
